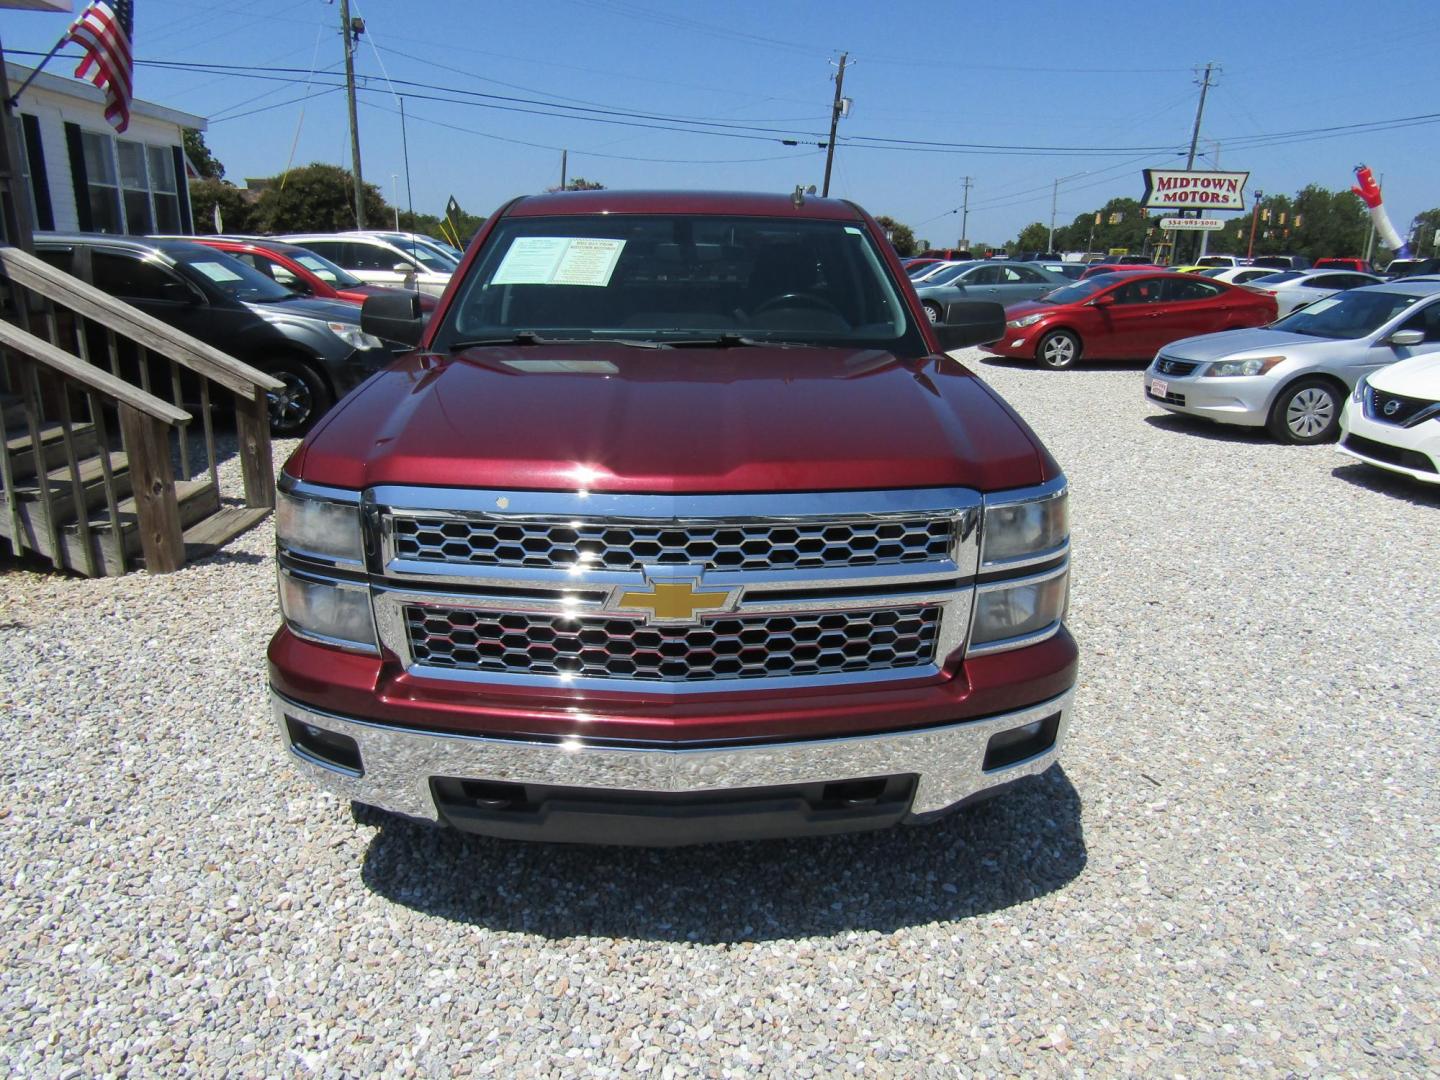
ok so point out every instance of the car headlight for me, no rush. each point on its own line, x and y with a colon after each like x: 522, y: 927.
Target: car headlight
x: 330, y: 612
x: 1025, y: 320
x: 323, y: 526
x: 1011, y: 614
x: 1358, y: 394
x: 1020, y: 530
x: 1258, y: 365
x: 354, y: 336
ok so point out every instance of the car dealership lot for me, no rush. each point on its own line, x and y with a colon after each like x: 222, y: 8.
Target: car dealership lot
x: 1233, y: 869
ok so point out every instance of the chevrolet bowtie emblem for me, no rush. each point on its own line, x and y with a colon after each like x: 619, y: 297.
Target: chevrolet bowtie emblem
x: 673, y: 601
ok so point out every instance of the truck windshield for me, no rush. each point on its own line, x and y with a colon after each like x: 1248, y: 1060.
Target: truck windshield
x: 681, y: 277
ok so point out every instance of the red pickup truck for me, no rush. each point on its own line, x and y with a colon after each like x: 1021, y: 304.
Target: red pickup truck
x: 677, y: 526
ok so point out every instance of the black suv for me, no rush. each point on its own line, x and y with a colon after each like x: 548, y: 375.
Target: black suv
x: 315, y: 347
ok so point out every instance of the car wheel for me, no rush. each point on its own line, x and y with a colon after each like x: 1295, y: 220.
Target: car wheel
x: 1306, y: 412
x: 302, y: 400
x: 932, y: 309
x: 1058, y: 350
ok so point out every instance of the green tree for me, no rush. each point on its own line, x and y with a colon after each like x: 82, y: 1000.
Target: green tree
x: 902, y: 237
x: 206, y: 163
x: 1425, y: 232
x: 237, y: 213
x: 580, y: 184
x: 1325, y: 222
x: 1033, y: 237
x: 317, y: 198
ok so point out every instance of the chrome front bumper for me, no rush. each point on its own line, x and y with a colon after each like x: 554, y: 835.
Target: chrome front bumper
x: 397, y: 764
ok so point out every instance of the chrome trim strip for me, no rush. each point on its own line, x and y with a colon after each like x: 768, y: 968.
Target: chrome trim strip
x: 399, y: 762
x: 1052, y: 489
x: 306, y: 490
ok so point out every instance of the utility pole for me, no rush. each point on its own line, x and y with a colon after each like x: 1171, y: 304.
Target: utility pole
x: 1205, y: 233
x: 352, y: 31
x: 564, y: 156
x: 965, y: 215
x: 834, y: 122
x: 1054, y: 196
x: 1195, y: 131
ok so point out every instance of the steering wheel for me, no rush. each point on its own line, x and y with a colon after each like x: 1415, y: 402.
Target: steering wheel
x: 796, y: 299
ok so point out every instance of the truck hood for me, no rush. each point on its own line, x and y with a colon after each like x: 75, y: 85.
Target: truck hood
x: 606, y: 417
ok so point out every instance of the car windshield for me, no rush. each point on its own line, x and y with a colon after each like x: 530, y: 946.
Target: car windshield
x: 1073, y: 294
x: 237, y: 280
x: 680, y: 278
x: 1276, y: 279
x: 1346, y: 315
x: 425, y: 255
x: 919, y: 268
x: 949, y: 274
x: 326, y: 270
x: 1214, y: 271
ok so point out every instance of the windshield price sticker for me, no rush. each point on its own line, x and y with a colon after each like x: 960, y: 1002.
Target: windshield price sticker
x: 1320, y: 305
x: 215, y: 272
x: 559, y: 260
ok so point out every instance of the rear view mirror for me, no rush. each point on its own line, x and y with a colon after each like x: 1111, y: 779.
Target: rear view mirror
x: 1407, y: 338
x: 970, y: 322
x: 393, y: 317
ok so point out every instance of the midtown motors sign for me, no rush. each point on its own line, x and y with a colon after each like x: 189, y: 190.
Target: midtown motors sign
x: 1169, y: 189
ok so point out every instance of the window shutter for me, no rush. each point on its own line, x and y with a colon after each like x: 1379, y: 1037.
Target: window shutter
x: 79, y: 178
x: 39, y: 179
x: 182, y: 187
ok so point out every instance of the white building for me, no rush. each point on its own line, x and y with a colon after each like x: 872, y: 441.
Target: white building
x: 82, y: 176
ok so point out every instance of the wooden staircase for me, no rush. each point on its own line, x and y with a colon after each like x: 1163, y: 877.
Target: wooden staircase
x: 100, y: 468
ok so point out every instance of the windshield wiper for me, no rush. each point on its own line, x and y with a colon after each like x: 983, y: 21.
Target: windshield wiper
x: 529, y: 337
x: 730, y: 341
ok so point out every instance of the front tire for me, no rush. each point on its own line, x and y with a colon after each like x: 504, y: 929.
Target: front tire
x: 932, y: 309
x: 1306, y: 413
x: 1058, y: 350
x: 303, y: 399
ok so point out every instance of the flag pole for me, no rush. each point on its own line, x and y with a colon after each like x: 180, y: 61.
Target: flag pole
x: 15, y: 97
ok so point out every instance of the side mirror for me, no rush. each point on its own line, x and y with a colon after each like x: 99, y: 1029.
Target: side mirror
x: 393, y: 317
x: 403, y: 268
x: 1103, y: 300
x: 970, y: 322
x: 1404, y: 339
x: 177, y: 292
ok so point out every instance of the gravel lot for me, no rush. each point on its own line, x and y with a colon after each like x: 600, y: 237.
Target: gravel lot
x: 1235, y: 870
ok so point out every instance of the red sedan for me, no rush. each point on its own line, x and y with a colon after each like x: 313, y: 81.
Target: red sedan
x: 301, y: 269
x: 1126, y: 317
x: 1118, y: 268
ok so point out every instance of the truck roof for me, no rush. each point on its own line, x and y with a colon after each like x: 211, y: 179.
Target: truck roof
x: 743, y: 203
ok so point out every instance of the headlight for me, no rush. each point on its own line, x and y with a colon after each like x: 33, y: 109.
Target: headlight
x: 1024, y: 528
x: 314, y: 526
x: 1009, y: 614
x: 1257, y: 366
x: 354, y: 336
x: 1358, y: 394
x: 333, y: 613
x: 1026, y: 320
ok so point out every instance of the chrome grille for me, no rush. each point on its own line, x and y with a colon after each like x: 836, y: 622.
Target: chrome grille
x: 625, y: 546
x: 1397, y: 409
x: 1167, y: 366
x: 724, y: 648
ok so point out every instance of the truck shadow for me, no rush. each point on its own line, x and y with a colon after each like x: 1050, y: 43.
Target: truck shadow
x: 1019, y: 846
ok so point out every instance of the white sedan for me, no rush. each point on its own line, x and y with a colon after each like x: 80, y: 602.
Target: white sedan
x: 1236, y: 275
x: 1392, y: 420
x: 1293, y: 289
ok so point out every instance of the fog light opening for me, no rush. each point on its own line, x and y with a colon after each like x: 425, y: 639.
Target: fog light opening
x: 1009, y: 747
x: 327, y: 748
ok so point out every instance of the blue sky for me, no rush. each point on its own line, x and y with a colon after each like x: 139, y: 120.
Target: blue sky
x: 1110, y: 80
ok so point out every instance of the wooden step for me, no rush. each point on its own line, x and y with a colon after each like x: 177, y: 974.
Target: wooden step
x: 207, y: 535
x: 198, y: 500
x: 64, y: 495
x: 12, y: 411
x: 52, y: 448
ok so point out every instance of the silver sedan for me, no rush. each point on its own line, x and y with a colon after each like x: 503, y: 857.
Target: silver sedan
x: 1293, y: 289
x: 1004, y: 282
x: 1292, y: 376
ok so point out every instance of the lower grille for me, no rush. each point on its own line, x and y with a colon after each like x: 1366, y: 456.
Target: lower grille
x: 1166, y: 366
x: 1169, y: 397
x: 729, y: 647
x: 1391, y: 455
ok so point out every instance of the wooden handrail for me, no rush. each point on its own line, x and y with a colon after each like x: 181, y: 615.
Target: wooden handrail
x: 98, y: 379
x: 70, y: 292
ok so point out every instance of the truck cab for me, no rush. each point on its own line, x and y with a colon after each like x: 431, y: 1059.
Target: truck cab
x: 678, y: 525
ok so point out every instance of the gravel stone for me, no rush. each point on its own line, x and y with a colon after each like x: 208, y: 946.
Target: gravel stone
x: 1233, y: 870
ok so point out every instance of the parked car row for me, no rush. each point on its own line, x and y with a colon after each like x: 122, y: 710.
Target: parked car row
x: 291, y: 309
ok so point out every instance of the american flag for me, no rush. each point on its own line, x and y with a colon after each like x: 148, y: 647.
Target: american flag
x: 103, y: 30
